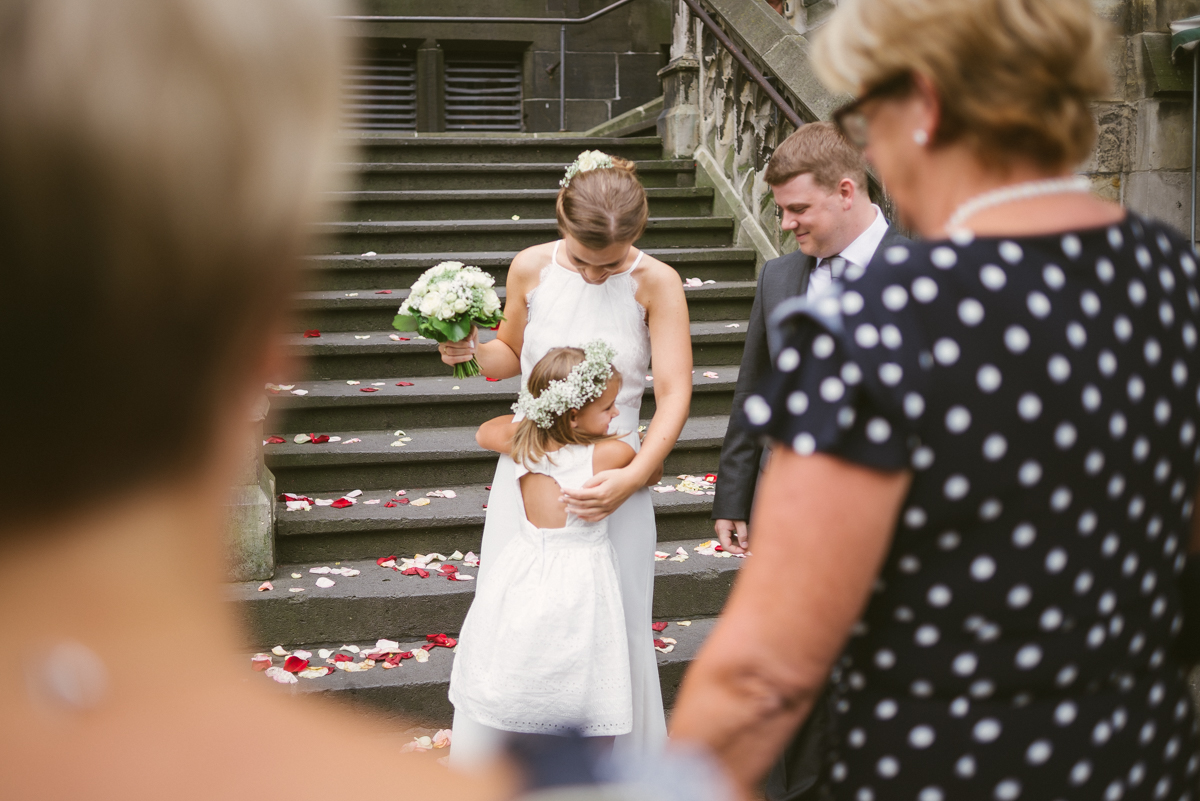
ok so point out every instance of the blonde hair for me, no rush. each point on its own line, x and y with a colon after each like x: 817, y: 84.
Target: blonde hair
x: 1014, y: 77
x: 164, y: 160
x: 820, y: 150
x: 603, y: 207
x: 530, y: 441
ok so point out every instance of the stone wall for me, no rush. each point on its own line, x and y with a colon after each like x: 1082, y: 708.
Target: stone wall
x: 612, y: 62
x: 715, y: 111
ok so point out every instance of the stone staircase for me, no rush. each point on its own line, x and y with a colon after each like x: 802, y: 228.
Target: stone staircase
x: 421, y: 200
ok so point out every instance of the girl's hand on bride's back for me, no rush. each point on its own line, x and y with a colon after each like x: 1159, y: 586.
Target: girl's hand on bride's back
x: 602, y: 494
x: 458, y: 352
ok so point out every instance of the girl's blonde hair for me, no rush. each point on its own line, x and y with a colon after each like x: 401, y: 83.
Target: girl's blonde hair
x: 530, y: 441
x: 603, y: 207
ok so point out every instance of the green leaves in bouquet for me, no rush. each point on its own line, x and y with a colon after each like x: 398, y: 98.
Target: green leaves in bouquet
x: 439, y: 330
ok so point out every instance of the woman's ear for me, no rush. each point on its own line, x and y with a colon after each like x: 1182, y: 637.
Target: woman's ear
x: 929, y: 104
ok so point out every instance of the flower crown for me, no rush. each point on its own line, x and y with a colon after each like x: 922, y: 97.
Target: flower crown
x: 587, y: 161
x: 586, y: 382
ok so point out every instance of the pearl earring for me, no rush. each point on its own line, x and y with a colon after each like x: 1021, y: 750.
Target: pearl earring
x: 921, y: 137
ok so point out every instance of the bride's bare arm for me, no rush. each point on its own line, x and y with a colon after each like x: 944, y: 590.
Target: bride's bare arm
x: 660, y: 291
x: 501, y: 358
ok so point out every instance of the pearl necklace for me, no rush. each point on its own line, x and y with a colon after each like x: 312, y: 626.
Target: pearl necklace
x: 1008, y: 194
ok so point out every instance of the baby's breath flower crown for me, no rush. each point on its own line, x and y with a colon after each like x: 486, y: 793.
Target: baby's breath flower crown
x: 587, y: 161
x: 586, y: 382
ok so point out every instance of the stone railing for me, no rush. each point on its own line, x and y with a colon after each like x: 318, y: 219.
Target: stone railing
x: 716, y: 114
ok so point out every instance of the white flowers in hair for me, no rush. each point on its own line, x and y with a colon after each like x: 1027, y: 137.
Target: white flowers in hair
x: 587, y: 161
x: 586, y: 382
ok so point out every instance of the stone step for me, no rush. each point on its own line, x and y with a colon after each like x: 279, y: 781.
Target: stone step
x: 446, y: 525
x: 416, y: 692
x: 454, y: 235
x: 440, y: 456
x: 382, y: 603
x: 393, y: 270
x: 341, y: 355
x: 333, y: 406
x: 511, y: 175
x: 458, y: 149
x: 498, y: 204
x: 366, y: 309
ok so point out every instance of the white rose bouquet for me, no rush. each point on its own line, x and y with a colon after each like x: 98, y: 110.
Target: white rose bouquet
x: 445, y: 301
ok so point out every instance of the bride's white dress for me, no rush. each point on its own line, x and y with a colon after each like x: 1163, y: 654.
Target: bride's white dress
x: 565, y: 310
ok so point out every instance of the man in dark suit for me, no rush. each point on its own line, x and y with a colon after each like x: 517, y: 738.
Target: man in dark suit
x: 819, y: 181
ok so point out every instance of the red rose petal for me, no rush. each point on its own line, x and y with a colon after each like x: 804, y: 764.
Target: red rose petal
x: 343, y: 658
x: 442, y: 640
x: 342, y: 503
x: 492, y: 379
x: 403, y: 339
x: 449, y: 569
x: 718, y: 548
x: 312, y: 332
x: 319, y: 439
x: 393, y: 660
x: 405, y: 384
x: 415, y: 571
x: 659, y: 644
x: 384, y: 292
x: 402, y: 501
x: 368, y: 389
x: 275, y: 440
x: 659, y: 626
x: 383, y: 559
x: 390, y: 505
x: 488, y: 487
x: 711, y: 478
x: 294, y: 664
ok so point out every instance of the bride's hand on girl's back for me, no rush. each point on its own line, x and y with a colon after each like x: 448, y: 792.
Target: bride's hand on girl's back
x: 457, y: 352
x: 612, y: 484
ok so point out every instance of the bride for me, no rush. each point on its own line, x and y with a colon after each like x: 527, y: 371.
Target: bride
x: 593, y: 284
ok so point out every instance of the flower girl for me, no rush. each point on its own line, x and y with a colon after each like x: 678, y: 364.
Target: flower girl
x: 544, y: 649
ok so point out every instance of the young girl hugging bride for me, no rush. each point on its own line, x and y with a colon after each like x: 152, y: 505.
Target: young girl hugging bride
x: 543, y: 649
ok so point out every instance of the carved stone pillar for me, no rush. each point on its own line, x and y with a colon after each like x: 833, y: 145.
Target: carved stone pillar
x: 679, y: 122
x: 252, y: 510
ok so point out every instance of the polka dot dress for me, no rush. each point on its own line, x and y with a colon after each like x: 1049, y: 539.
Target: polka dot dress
x: 1044, y: 392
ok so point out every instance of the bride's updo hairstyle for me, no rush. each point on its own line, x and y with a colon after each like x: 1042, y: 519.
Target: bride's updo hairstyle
x: 604, y: 206
x: 530, y: 441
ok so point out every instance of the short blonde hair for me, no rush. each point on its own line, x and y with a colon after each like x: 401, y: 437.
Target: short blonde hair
x: 1015, y: 77
x: 604, y: 207
x: 818, y: 149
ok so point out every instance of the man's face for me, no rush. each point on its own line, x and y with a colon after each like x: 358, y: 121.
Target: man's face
x: 815, y: 215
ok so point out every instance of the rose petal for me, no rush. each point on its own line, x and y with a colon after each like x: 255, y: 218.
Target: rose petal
x: 415, y: 571
x: 659, y: 626
x: 273, y: 440
x: 302, y: 654
x: 342, y: 503
x: 383, y: 292
x: 354, y: 649
x: 311, y: 333
x: 442, y: 738
x: 421, y: 656
x: 405, y: 384
x: 324, y: 653
x: 266, y: 586
x: 711, y: 374
x: 386, y: 561
x: 299, y: 391
x: 294, y: 664
x: 421, y: 502
x: 441, y: 640
x: 325, y: 583
x: 319, y: 439
x: 300, y: 439
x: 260, y: 662
x: 316, y: 672
x: 364, y: 336
x: 389, y: 505
x: 343, y: 658
x: 319, y: 570
x: 368, y: 389
x: 352, y: 441
x: 295, y: 589
x: 354, y: 494
x: 279, y: 650
x: 280, y: 675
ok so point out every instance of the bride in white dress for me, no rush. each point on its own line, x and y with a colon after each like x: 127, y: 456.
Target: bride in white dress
x: 593, y: 284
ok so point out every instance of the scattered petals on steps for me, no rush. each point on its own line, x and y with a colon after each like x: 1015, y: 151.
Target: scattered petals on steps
x: 312, y: 333
x: 294, y: 664
x: 280, y: 675
x: 666, y: 645
x: 260, y: 662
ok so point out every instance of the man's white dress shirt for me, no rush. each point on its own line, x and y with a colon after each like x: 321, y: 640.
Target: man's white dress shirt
x: 859, y: 253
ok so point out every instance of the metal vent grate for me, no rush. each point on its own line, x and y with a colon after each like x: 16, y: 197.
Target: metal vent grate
x: 380, y: 94
x: 483, y: 94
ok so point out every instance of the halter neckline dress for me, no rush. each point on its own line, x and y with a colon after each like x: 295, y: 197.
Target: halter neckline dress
x: 565, y: 310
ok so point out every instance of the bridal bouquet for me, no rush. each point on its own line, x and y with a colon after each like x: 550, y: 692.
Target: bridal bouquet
x: 445, y: 301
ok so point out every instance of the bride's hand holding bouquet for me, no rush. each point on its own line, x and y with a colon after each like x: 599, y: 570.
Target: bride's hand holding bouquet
x: 448, y: 303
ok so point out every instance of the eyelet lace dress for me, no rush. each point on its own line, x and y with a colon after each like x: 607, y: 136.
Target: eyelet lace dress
x: 544, y: 651
x: 565, y: 310
x: 1043, y: 390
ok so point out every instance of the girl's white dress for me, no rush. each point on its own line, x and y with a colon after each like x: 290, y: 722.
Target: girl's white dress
x: 544, y: 651
x: 565, y: 310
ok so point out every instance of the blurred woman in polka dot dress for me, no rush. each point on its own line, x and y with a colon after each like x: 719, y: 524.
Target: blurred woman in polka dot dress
x: 978, y: 515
